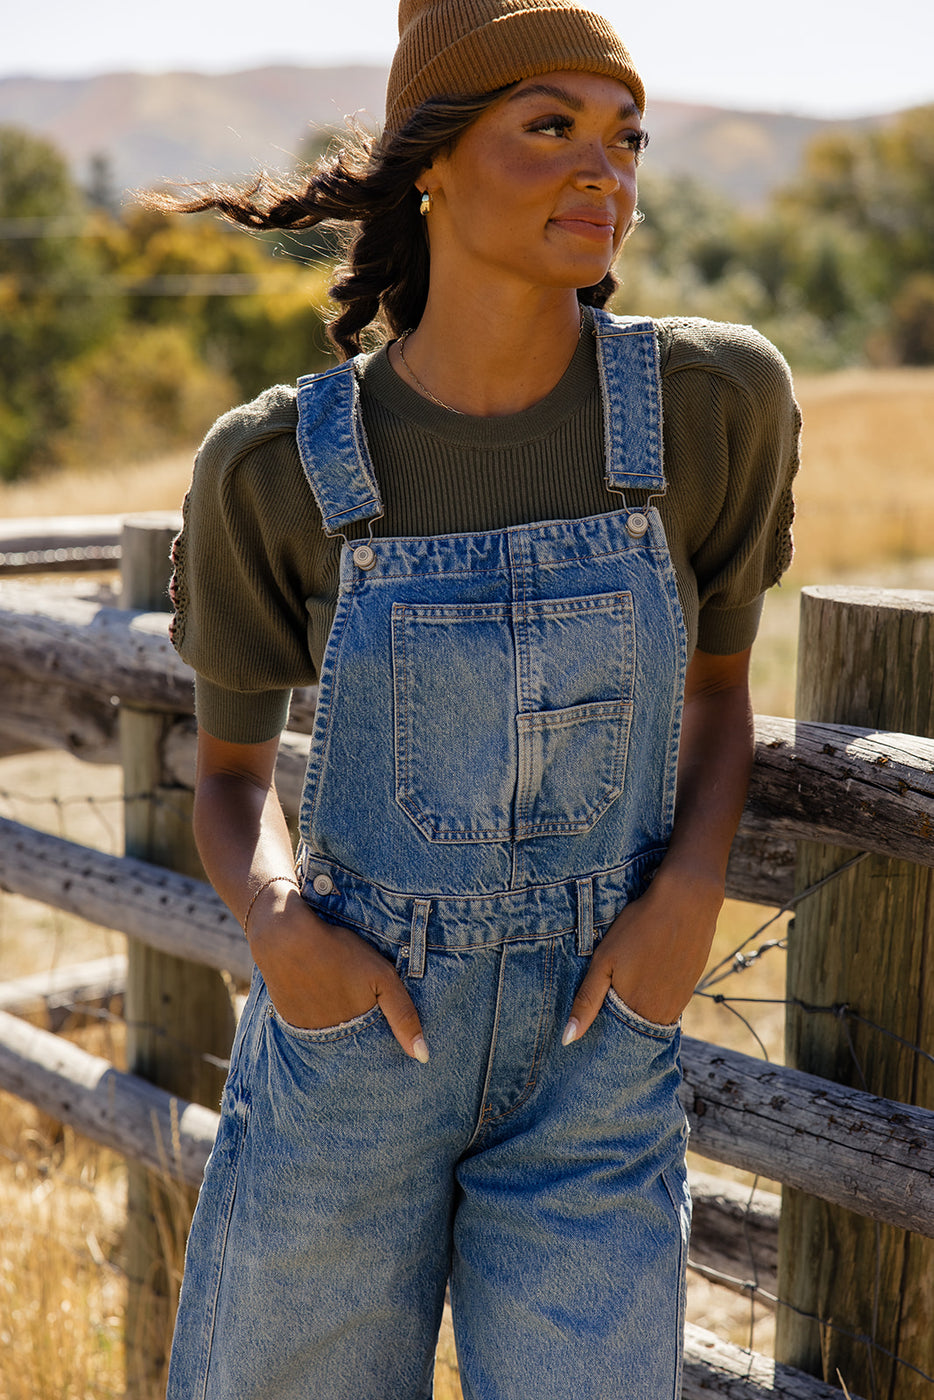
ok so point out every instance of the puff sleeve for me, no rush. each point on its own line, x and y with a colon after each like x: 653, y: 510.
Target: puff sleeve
x: 245, y: 565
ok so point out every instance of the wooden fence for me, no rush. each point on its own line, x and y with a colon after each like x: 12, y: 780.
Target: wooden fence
x: 68, y: 667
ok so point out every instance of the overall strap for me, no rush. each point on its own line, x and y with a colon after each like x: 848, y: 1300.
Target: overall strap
x: 333, y: 448
x: 630, y: 378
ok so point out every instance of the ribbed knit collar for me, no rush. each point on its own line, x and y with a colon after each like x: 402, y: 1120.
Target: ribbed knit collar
x: 575, y: 386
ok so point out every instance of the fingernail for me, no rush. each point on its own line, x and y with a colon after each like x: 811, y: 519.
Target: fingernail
x: 570, y: 1032
x: 420, y: 1049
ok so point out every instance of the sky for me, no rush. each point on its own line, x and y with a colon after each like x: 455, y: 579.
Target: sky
x: 825, y: 58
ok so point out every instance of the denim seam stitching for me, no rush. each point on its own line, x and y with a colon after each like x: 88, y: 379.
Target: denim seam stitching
x: 538, y: 1052
x: 638, y: 858
x: 208, y: 1343
x: 318, y: 767
x: 327, y: 1035
x: 634, y: 1022
x: 630, y: 547
x: 482, y: 1121
x: 681, y: 1304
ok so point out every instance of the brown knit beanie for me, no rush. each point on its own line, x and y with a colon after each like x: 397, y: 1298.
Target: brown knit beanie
x: 457, y: 48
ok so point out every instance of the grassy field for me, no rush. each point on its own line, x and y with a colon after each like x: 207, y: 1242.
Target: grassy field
x: 866, y: 514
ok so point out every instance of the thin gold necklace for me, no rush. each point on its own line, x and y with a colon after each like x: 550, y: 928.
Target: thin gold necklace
x: 424, y: 387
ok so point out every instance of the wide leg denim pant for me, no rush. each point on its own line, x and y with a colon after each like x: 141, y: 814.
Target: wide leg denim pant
x: 349, y: 1183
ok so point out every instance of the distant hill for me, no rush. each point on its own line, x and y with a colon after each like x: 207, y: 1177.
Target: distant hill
x: 204, y: 126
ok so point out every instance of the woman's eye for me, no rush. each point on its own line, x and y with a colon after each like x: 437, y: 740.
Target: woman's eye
x: 634, y: 141
x: 552, y: 126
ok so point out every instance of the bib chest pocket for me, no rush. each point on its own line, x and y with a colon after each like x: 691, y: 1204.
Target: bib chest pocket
x: 511, y: 720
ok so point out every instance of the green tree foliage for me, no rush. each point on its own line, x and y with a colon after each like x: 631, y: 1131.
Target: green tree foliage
x: 911, y: 328
x: 834, y: 270
x: 253, y: 314
x: 49, y: 314
x: 881, y: 183
x: 141, y: 393
x: 124, y: 335
x: 875, y: 189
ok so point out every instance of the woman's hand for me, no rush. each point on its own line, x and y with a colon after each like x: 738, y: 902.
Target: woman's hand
x: 316, y: 974
x: 653, y: 954
x: 319, y: 975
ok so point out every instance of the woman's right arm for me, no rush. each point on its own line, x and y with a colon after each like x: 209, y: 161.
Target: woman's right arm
x: 316, y: 973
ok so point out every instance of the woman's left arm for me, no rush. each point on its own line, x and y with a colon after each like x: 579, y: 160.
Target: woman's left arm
x: 654, y: 952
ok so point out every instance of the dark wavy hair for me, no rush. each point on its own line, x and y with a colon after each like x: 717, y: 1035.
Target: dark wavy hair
x: 366, y: 188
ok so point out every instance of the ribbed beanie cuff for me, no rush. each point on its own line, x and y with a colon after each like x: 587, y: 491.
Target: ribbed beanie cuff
x: 461, y: 48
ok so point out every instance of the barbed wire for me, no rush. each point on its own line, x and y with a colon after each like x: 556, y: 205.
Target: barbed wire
x: 736, y: 962
x: 740, y: 959
x: 839, y: 1009
x: 771, y: 1300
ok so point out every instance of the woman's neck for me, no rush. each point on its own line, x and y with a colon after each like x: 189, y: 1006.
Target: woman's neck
x: 484, y: 358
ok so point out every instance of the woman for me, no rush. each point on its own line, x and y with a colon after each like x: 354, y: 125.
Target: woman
x: 459, y: 1059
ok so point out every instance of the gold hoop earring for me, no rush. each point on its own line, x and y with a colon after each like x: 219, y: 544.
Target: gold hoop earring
x: 424, y: 206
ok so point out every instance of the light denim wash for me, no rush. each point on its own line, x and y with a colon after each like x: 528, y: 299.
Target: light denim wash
x: 491, y: 779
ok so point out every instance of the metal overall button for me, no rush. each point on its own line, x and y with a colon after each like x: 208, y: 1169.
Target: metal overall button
x: 323, y: 884
x: 364, y: 557
x: 636, y: 525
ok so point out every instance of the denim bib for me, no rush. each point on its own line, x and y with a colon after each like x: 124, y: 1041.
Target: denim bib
x: 499, y: 712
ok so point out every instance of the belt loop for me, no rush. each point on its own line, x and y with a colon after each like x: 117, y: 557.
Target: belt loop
x: 417, y: 940
x: 301, y: 862
x: 585, y: 917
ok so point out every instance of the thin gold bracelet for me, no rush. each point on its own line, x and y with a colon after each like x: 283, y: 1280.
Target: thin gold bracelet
x: 273, y: 880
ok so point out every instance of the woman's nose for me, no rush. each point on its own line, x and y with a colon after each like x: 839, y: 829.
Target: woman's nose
x: 595, y: 170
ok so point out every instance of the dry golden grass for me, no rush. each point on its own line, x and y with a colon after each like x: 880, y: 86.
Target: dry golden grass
x: 62, y: 1212
x: 101, y: 490
x: 866, y: 491
x: 866, y: 513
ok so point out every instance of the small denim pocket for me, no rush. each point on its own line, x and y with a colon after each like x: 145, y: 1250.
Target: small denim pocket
x: 511, y: 720
x: 655, y: 1029
x: 325, y: 1034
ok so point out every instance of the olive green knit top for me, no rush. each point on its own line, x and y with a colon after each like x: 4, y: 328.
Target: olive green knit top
x: 256, y: 578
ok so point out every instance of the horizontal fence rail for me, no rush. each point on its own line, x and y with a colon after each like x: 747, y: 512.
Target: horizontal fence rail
x: 118, y: 1110
x: 168, y: 911
x: 65, y: 661
x: 872, y: 1155
x: 174, y: 1138
x: 70, y: 662
x: 714, y: 1367
x: 48, y: 544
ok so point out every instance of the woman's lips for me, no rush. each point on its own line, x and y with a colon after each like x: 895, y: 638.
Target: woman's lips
x: 596, y: 227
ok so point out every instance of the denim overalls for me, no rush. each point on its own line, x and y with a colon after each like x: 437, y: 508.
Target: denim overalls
x: 491, y: 778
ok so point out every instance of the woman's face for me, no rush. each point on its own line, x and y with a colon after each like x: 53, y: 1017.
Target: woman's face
x: 541, y: 189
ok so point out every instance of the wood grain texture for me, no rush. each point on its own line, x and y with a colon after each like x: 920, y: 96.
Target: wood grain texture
x: 713, y: 1367
x: 866, y: 941
x: 169, y: 1136
x: 872, y: 1155
x: 173, y: 1138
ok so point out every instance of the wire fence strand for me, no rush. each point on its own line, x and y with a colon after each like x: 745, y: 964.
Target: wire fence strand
x: 749, y: 953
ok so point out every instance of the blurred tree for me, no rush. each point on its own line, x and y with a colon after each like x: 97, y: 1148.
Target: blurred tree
x: 881, y: 184
x: 100, y: 191
x: 875, y: 189
x: 48, y: 279
x: 252, y: 316
x: 911, y: 328
x: 141, y: 393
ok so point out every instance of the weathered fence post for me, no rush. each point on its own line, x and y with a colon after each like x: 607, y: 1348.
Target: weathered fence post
x: 178, y: 1013
x: 864, y: 942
